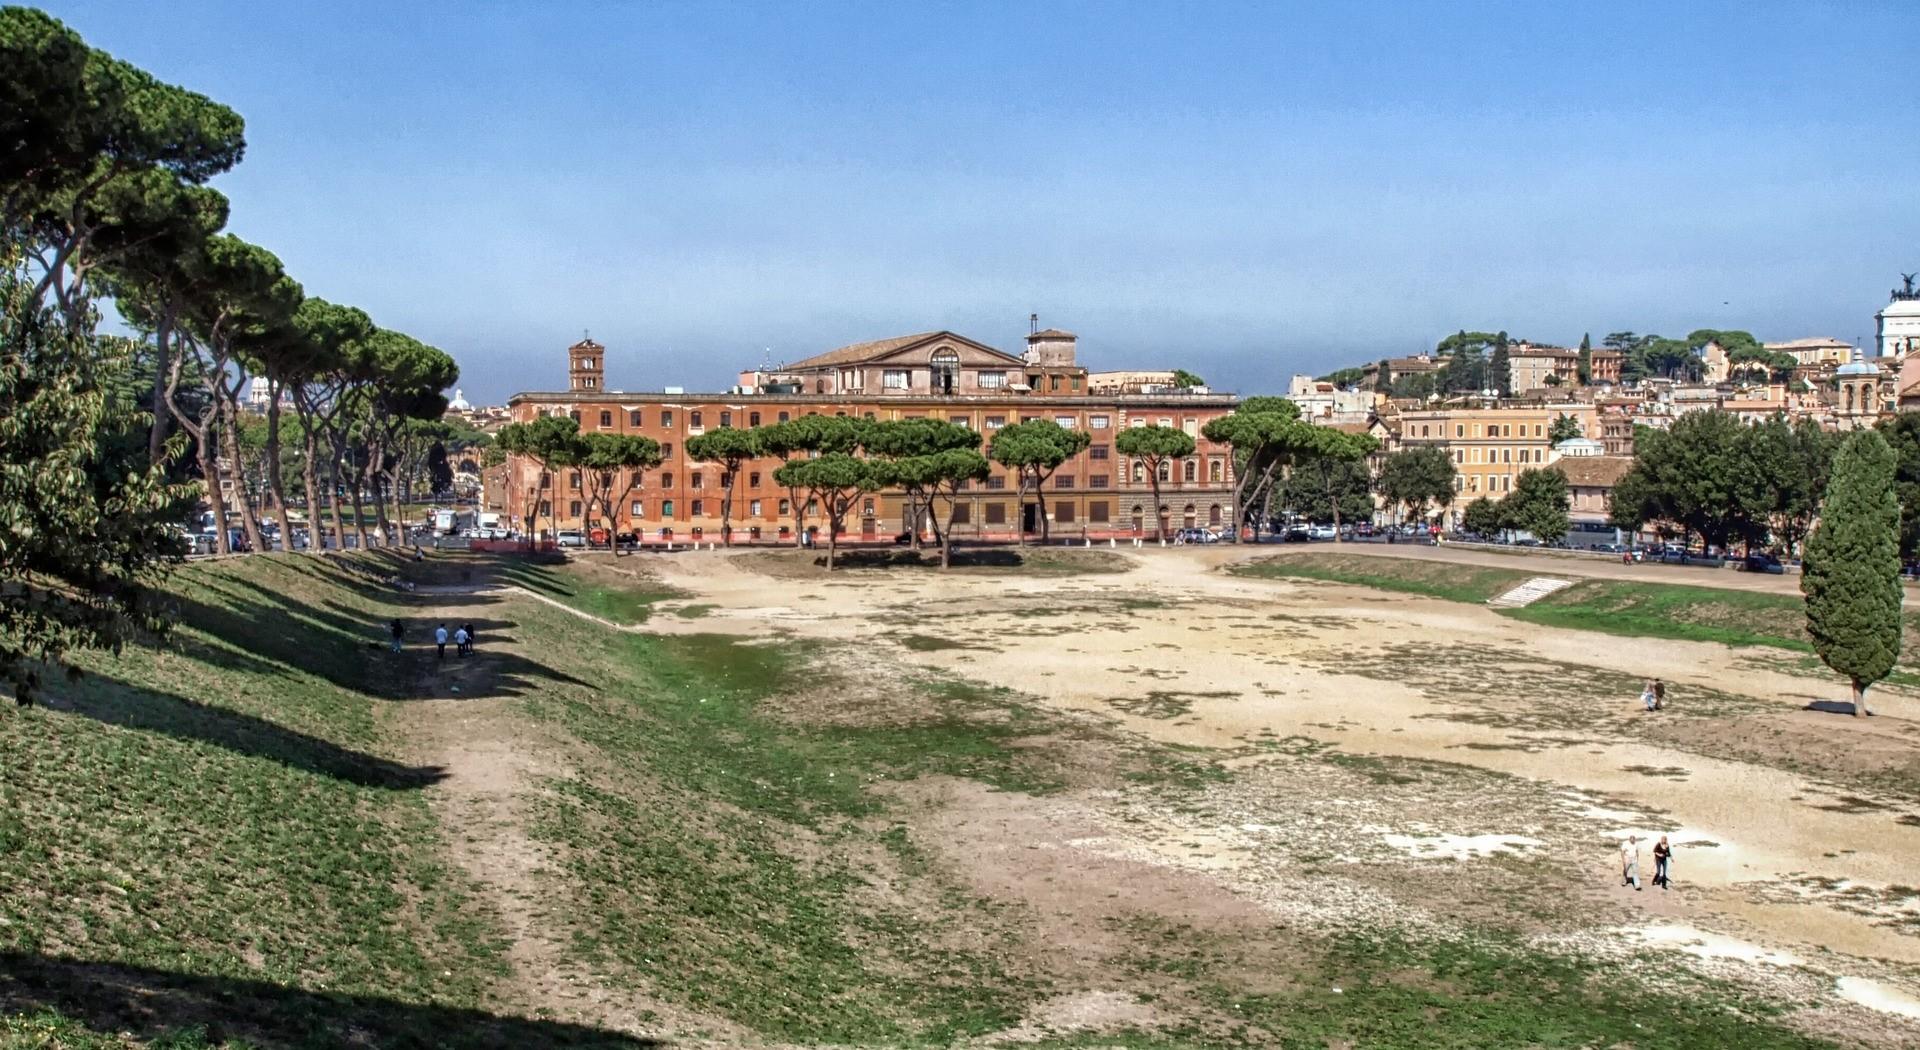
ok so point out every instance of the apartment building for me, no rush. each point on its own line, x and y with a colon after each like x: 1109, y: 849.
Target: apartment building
x: 1491, y: 447
x: 939, y: 375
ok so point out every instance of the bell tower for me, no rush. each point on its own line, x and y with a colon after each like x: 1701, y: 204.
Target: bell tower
x: 586, y: 363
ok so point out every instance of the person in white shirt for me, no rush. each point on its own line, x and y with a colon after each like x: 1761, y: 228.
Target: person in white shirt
x: 1630, y: 862
x: 460, y: 640
x: 440, y: 640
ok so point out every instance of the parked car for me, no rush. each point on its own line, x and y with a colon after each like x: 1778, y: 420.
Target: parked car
x: 1298, y: 534
x: 1761, y: 561
x: 1363, y: 529
x: 1195, y: 535
x: 1321, y: 532
x: 571, y: 538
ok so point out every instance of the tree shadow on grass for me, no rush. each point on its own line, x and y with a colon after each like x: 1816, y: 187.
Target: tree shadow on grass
x: 150, y: 1004
x: 267, y: 633
x: 130, y: 706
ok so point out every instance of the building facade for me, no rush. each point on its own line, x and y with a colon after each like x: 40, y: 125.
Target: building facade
x: 1490, y: 447
x: 1098, y: 493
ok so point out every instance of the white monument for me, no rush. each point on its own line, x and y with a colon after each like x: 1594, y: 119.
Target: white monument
x: 1897, y: 327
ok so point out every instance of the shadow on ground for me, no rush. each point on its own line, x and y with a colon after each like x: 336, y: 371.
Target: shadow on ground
x: 151, y: 1004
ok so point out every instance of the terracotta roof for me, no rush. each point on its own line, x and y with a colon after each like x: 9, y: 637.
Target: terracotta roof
x: 1051, y: 333
x: 1594, y: 471
x: 1351, y: 428
x: 863, y: 351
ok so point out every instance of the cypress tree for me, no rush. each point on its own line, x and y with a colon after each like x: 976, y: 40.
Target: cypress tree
x: 1500, y: 369
x: 1586, y: 360
x: 1852, y: 572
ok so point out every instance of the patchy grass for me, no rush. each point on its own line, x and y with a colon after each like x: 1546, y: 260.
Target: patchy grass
x: 1678, y: 611
x: 1459, y: 583
x: 226, y: 809
x: 1047, y: 561
x: 610, y: 590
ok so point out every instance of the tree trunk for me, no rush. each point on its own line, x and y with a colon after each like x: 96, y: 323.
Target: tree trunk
x: 1860, y: 708
x: 309, y: 480
x: 217, y: 504
x: 358, y: 482
x: 799, y: 518
x: 726, y: 508
x: 945, y: 535
x: 333, y: 494
x: 276, y: 486
x: 230, y: 440
x: 157, y: 434
x: 1153, y: 479
x: 1040, y: 501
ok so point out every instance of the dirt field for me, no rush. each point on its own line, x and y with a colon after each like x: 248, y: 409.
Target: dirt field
x: 1402, y: 762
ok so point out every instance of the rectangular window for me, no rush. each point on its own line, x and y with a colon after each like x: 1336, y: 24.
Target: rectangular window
x: 1166, y: 421
x: 699, y: 507
x: 666, y: 510
x: 991, y: 380
x: 1097, y: 511
x: 753, y: 508
x: 996, y: 422
x: 1096, y: 481
x: 962, y: 513
x: 1191, y: 426
x: 606, y: 419
x: 546, y: 480
x: 996, y: 514
x: 726, y: 419
x: 666, y: 481
x: 1064, y: 422
x: 960, y: 421
x: 638, y: 510
x: 666, y: 451
x: 753, y: 419
x: 997, y: 482
x: 699, y: 480
x: 783, y: 417
x: 546, y: 509
x: 1063, y: 481
x: 753, y: 479
x: 666, y: 419
x: 1076, y: 384
x: 633, y: 418
x: 573, y: 509
x: 894, y: 379
x: 573, y: 479
x: 1136, y: 422
x: 786, y: 508
x: 1097, y: 422
x: 1459, y: 430
x: 1096, y: 451
x: 1063, y: 512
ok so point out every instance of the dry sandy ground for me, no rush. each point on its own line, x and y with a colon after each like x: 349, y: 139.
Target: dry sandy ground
x: 1796, y: 875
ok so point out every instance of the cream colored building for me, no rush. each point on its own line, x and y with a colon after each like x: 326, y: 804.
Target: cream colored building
x: 1491, y: 447
x: 1813, y: 353
x: 1539, y: 367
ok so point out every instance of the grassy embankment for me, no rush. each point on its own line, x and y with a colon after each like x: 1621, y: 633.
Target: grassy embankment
x: 218, y: 844
x: 1679, y: 611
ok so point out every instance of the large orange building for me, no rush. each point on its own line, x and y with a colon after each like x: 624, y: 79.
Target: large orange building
x: 937, y: 375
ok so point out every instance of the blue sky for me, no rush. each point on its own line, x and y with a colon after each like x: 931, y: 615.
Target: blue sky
x: 1245, y: 190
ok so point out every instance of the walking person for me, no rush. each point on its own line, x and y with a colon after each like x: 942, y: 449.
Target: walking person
x: 440, y: 640
x: 1659, y: 694
x: 1647, y: 697
x: 1662, y: 854
x: 1630, y: 862
x: 399, y: 631
x: 460, y: 640
x: 468, y: 628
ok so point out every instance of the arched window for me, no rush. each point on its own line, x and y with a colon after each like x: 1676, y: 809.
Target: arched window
x: 1190, y: 471
x: 1213, y: 514
x: 946, y: 371
x: 1139, y: 517
x: 1139, y: 470
x: 1215, y: 471
x: 1848, y: 392
x: 1188, y: 515
x: 1166, y: 471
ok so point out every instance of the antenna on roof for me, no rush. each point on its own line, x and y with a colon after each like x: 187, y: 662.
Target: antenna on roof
x: 1033, y: 324
x: 586, y: 336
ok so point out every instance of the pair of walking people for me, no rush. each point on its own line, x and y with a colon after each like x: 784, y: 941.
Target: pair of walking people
x: 1654, y: 694
x: 462, y: 640
x: 1630, y: 862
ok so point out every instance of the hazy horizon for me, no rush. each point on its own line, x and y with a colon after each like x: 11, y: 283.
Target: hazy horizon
x: 1242, y: 191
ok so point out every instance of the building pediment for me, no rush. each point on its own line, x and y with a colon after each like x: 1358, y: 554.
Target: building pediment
x: 914, y: 349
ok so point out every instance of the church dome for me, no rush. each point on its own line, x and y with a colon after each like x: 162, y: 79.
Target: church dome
x: 458, y: 404
x: 1859, y: 366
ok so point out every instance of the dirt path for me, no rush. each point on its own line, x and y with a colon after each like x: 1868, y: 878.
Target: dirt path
x: 495, y: 763
x: 1776, y: 857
